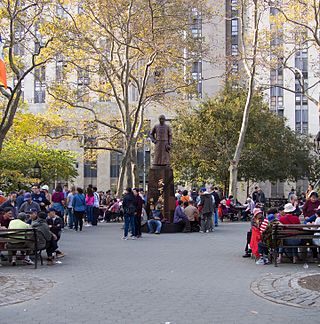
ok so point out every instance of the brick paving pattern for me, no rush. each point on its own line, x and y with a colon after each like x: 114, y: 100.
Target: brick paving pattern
x: 285, y: 289
x: 173, y: 278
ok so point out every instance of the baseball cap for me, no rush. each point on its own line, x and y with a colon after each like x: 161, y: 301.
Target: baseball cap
x: 27, y: 196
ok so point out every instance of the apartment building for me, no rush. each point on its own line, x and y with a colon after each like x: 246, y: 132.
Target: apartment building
x: 222, y: 38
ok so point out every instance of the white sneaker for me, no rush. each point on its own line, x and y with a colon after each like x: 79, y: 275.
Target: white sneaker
x: 201, y: 232
x: 125, y: 238
x: 207, y: 231
x: 133, y: 238
x: 266, y: 261
x: 28, y: 262
x: 260, y: 261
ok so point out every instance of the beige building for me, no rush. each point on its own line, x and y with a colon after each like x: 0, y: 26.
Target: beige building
x: 221, y: 37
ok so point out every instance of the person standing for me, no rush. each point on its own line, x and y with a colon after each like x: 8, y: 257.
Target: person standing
x: 207, y: 209
x: 129, y: 208
x: 45, y: 190
x: 216, y: 196
x: 90, y: 204
x: 69, y: 207
x: 58, y: 200
x: 79, y: 208
x: 39, y: 197
x: 139, y: 204
x: 96, y: 205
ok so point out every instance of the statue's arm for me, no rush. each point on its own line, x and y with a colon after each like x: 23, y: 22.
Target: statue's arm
x: 152, y: 135
x: 170, y: 136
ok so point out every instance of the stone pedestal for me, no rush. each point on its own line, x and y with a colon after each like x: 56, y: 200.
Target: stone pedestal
x: 158, y: 174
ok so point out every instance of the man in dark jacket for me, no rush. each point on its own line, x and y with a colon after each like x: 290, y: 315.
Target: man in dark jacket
x: 215, y: 194
x: 129, y: 208
x: 39, y: 197
x: 55, y: 224
x: 46, y: 239
x: 11, y: 202
x: 137, y: 218
x: 207, y: 208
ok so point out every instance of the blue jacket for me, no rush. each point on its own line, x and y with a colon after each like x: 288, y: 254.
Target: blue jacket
x: 179, y: 215
x: 79, y: 202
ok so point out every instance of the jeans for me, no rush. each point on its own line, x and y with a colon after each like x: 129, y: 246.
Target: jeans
x: 51, y: 247
x: 70, y: 218
x: 206, y: 221
x: 129, y: 220
x: 310, y: 219
x: 216, y: 217
x: 263, y: 249
x: 290, y: 251
x: 137, y: 220
x: 89, y: 214
x: 78, y: 219
x: 154, y: 223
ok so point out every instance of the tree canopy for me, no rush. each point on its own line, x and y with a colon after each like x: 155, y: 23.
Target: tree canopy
x: 205, y: 140
x: 18, y: 158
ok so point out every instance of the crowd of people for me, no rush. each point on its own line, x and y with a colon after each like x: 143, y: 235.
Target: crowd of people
x: 49, y: 213
x: 303, y: 210
x: 195, y: 211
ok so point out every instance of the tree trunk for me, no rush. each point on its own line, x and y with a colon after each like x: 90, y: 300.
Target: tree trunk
x: 234, y: 163
x: 120, y: 184
x: 129, y: 171
x: 135, y: 167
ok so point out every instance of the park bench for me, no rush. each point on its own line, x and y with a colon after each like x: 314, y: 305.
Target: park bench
x: 15, y: 236
x: 303, y: 232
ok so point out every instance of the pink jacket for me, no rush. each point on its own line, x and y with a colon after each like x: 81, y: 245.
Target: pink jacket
x: 89, y: 200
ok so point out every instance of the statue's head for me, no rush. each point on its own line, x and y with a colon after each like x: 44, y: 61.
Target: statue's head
x: 162, y: 119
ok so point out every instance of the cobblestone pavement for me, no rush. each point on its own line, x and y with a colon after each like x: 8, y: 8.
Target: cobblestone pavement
x: 284, y: 289
x: 17, y: 290
x: 173, y: 278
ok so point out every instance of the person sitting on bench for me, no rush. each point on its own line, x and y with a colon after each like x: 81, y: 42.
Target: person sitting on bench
x: 155, y: 220
x: 181, y: 218
x: 20, y: 223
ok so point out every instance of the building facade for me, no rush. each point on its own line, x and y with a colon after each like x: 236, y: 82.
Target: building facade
x: 222, y: 38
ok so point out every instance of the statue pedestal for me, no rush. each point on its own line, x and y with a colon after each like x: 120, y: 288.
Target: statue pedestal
x: 157, y: 173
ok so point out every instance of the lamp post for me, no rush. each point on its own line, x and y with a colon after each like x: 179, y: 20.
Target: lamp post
x: 37, y: 171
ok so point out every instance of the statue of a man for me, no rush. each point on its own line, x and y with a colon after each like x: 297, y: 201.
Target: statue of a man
x: 161, y: 136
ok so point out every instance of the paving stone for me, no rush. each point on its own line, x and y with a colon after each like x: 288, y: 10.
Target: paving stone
x: 176, y: 278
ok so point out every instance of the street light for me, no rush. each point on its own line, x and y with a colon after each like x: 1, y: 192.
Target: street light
x: 37, y: 171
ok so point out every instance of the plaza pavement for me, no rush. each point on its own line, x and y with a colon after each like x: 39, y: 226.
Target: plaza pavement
x: 171, y: 278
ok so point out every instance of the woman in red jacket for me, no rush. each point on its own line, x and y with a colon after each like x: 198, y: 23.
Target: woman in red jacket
x: 256, y: 234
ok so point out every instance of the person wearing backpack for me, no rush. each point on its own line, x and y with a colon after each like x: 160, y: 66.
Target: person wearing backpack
x: 79, y: 208
x: 129, y: 207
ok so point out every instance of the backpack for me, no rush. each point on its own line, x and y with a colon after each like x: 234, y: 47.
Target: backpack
x: 266, y: 236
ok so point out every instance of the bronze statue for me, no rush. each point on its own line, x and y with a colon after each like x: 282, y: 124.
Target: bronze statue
x: 161, y: 136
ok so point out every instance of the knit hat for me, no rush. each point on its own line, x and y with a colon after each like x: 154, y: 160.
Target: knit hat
x: 257, y: 211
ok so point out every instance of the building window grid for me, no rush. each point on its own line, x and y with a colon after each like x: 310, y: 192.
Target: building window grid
x: 40, y: 84
x: 301, y: 101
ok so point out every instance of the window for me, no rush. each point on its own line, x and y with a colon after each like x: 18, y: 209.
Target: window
x: 83, y: 81
x: 276, y: 91
x: 39, y: 84
x: 235, y: 67
x: 60, y: 65
x: 234, y: 27
x: 90, y: 169
x: 115, y: 161
x: 234, y: 49
x: 196, y: 67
